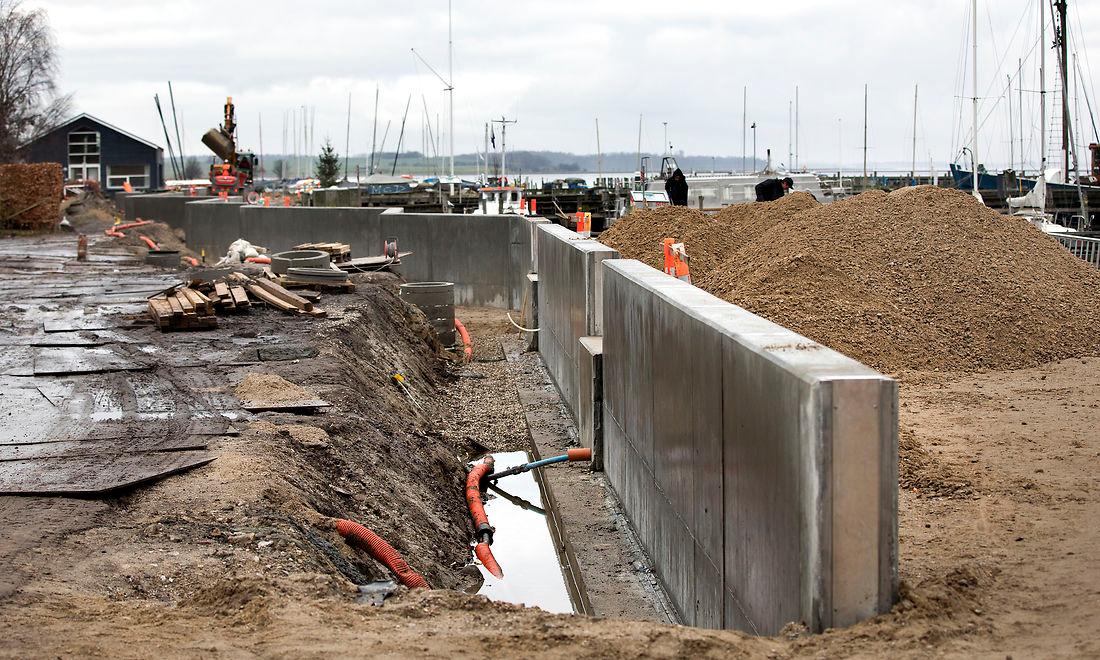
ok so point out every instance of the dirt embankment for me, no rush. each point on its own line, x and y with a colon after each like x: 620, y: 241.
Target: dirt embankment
x: 921, y: 279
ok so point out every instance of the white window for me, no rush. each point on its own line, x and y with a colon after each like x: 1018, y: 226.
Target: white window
x: 138, y: 176
x: 84, y: 155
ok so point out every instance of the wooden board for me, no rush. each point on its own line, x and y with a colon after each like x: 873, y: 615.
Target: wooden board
x: 107, y: 447
x: 93, y: 475
x: 287, y: 406
x: 75, y: 360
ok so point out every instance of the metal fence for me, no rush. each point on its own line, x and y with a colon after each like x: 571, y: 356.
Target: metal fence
x: 1083, y: 248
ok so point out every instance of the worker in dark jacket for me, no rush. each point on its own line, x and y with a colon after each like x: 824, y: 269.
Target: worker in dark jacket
x: 677, y: 189
x: 770, y: 190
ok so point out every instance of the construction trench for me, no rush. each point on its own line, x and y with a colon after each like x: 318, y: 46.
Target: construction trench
x: 743, y: 481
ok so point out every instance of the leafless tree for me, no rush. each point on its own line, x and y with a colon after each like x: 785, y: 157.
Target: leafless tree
x: 29, y: 99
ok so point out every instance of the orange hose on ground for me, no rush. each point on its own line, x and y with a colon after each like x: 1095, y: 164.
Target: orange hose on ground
x: 131, y: 225
x: 258, y: 260
x: 468, y: 349
x: 191, y: 260
x: 376, y: 546
x: 481, y: 521
x: 148, y: 241
x: 579, y: 454
x: 116, y: 234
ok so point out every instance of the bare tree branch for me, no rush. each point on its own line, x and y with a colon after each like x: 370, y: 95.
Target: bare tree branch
x: 29, y: 99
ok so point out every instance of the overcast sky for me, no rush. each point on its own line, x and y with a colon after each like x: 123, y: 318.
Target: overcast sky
x: 557, y: 65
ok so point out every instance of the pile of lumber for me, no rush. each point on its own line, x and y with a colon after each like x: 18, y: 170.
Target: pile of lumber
x: 276, y: 296
x: 229, y: 296
x: 340, y: 251
x: 183, y: 309
x: 194, y: 306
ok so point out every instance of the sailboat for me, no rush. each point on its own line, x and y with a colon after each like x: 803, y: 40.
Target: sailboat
x: 1071, y: 197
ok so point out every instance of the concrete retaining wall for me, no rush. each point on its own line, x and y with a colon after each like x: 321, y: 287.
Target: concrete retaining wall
x: 569, y: 302
x: 163, y: 207
x: 759, y: 468
x: 486, y: 256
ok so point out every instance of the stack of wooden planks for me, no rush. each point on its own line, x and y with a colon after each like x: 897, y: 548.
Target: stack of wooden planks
x: 183, y: 309
x: 340, y: 251
x: 275, y: 295
x: 230, y: 296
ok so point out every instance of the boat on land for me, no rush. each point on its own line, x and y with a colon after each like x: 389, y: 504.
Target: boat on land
x: 724, y: 188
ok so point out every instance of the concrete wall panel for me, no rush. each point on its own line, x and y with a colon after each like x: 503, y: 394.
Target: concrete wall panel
x: 569, y: 302
x: 729, y: 441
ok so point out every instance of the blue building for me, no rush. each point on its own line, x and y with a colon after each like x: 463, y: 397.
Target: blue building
x: 90, y: 149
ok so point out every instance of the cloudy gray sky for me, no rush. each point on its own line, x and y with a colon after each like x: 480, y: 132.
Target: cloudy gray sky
x: 557, y: 65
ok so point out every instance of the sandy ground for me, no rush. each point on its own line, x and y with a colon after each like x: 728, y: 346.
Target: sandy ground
x: 998, y: 527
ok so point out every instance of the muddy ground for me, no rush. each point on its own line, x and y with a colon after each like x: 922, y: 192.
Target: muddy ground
x: 998, y: 518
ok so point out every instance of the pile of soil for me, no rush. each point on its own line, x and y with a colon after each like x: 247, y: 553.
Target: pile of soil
x: 164, y: 236
x: 921, y: 278
x: 270, y: 389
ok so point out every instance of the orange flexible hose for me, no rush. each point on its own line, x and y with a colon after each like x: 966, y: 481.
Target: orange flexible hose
x: 258, y: 260
x: 579, y: 454
x: 148, y: 241
x: 481, y: 521
x: 116, y: 234
x: 468, y: 349
x: 131, y: 225
x: 361, y: 537
x: 191, y: 260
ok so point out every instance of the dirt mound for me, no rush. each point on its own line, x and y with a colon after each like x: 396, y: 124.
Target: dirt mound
x: 271, y: 389
x: 164, y: 236
x: 922, y: 278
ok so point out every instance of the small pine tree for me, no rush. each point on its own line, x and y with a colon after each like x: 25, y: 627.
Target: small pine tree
x: 327, y: 168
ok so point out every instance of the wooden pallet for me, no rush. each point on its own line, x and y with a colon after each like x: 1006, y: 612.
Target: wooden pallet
x: 340, y: 251
x: 182, y: 309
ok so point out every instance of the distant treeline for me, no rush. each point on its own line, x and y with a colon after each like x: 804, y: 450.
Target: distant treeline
x: 518, y: 162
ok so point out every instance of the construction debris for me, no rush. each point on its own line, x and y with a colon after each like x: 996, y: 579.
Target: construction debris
x: 183, y: 309
x: 340, y: 252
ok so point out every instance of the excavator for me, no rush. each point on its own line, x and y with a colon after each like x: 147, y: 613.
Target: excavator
x: 234, y: 174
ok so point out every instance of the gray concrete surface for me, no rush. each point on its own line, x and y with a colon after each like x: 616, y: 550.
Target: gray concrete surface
x: 569, y: 298
x: 163, y: 207
x: 486, y: 256
x: 590, y: 397
x: 759, y: 468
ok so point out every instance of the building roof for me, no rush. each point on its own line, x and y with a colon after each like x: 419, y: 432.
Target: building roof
x: 85, y: 115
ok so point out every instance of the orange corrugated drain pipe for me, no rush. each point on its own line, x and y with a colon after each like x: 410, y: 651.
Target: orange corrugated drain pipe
x: 148, y: 241
x: 364, y: 539
x: 131, y: 225
x: 468, y: 349
x: 483, y: 530
x: 112, y: 232
x: 262, y: 259
x: 191, y: 260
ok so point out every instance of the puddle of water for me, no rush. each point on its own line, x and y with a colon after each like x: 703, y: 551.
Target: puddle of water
x: 522, y: 543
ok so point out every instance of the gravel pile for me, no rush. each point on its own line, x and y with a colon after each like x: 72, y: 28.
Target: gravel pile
x: 922, y: 278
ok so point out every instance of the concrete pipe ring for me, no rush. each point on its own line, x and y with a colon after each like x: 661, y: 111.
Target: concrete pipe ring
x: 318, y: 272
x: 282, y: 261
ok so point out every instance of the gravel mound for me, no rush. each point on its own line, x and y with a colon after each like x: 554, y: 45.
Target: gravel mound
x: 919, y: 279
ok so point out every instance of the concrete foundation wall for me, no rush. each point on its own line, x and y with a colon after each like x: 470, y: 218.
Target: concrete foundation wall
x: 759, y: 468
x: 569, y: 302
x: 486, y: 256
x: 163, y: 207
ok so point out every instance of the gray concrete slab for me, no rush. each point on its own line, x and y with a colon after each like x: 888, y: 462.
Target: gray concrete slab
x: 758, y: 467
x: 569, y: 301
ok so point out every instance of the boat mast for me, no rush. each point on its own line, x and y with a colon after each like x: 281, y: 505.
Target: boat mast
x: 1020, y: 108
x: 1063, y: 63
x: 1011, y: 137
x: 451, y: 91
x: 974, y: 83
x: 744, y: 125
x: 599, y: 153
x: 796, y: 127
x: 914, y: 170
x: 1042, y: 90
x: 790, y: 135
x: 374, y: 131
x: 864, y: 134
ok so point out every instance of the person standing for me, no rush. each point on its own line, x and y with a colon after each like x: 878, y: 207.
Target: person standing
x: 677, y: 188
x: 770, y: 190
